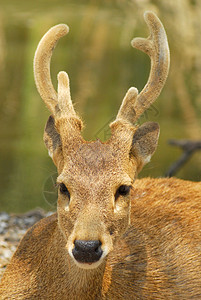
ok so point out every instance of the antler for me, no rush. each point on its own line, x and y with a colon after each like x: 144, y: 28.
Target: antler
x: 156, y: 46
x: 59, y: 104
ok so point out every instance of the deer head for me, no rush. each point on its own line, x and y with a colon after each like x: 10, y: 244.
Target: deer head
x: 95, y: 178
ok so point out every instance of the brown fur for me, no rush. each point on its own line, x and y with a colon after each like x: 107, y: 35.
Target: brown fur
x: 150, y: 237
x: 158, y: 257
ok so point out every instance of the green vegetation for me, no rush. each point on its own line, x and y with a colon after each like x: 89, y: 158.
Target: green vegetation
x: 102, y: 65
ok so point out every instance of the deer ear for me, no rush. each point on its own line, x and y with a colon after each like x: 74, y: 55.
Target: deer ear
x: 53, y: 141
x: 144, y: 144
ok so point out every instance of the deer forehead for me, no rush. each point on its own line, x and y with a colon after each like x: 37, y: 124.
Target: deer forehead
x: 94, y: 157
x: 95, y: 165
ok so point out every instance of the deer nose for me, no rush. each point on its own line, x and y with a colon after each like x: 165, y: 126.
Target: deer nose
x: 87, y: 251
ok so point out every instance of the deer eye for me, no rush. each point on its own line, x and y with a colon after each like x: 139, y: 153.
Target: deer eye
x: 123, y: 190
x: 63, y: 190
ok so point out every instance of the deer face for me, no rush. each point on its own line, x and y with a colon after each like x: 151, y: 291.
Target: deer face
x: 93, y: 202
x: 95, y: 178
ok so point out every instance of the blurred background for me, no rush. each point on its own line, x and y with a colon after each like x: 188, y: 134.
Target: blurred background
x: 102, y: 65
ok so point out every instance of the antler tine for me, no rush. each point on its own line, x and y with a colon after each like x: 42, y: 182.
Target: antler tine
x: 42, y: 60
x: 127, y: 111
x: 64, y: 99
x: 156, y: 46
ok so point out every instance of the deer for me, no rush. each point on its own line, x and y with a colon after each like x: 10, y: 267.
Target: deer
x: 113, y: 236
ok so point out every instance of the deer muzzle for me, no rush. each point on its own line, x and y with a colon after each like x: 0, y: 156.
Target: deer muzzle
x: 87, y: 251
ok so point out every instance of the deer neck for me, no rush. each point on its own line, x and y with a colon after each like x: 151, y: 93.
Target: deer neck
x: 86, y: 280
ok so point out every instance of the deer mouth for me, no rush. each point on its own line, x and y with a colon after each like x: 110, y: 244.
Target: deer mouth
x: 88, y: 266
